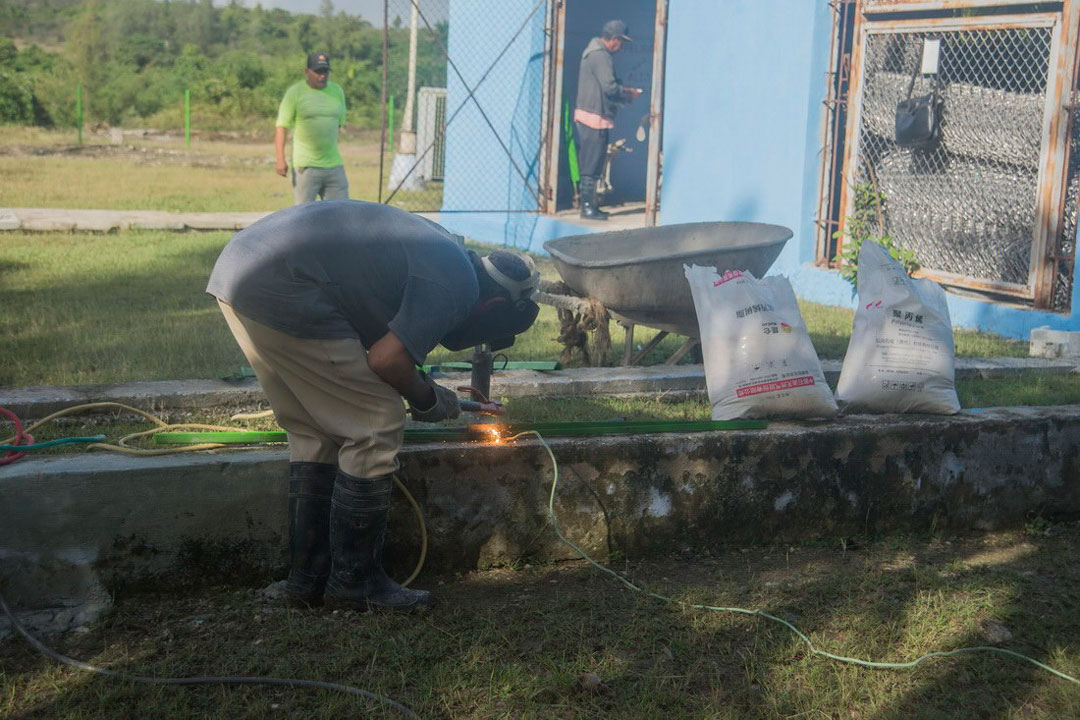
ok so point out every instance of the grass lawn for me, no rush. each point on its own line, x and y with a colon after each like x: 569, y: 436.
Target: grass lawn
x: 47, y: 169
x: 81, y: 308
x: 513, y: 643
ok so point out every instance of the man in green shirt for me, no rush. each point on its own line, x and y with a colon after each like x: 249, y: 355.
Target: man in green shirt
x: 314, y: 110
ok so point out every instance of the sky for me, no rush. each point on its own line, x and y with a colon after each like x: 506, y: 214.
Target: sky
x: 370, y: 10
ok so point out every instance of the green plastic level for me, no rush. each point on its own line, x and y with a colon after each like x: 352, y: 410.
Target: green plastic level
x: 569, y: 429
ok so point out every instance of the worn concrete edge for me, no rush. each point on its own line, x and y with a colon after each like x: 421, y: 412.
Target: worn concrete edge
x: 84, y: 521
x: 87, y: 220
x: 39, y: 401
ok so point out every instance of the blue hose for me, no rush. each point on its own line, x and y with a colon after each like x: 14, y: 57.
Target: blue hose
x: 51, y: 443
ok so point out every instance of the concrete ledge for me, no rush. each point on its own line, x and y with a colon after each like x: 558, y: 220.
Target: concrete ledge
x: 39, y: 401
x: 36, y: 402
x: 78, y: 527
x: 63, y: 219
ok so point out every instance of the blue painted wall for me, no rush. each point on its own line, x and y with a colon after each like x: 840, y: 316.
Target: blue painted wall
x: 742, y: 129
x: 745, y: 82
x: 479, y: 173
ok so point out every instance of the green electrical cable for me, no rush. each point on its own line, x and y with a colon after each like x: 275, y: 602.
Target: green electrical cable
x: 52, y: 443
x: 759, y: 613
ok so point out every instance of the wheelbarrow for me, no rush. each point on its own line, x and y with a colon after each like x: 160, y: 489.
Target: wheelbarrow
x: 638, y: 274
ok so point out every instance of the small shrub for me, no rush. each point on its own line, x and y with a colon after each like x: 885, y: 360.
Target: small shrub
x: 865, y: 224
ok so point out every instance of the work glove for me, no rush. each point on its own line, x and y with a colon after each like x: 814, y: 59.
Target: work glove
x: 446, y: 407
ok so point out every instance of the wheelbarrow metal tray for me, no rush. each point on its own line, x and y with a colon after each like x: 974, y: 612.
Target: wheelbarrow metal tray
x: 638, y: 274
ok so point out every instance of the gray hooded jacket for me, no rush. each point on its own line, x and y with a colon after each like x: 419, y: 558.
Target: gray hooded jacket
x: 598, y: 90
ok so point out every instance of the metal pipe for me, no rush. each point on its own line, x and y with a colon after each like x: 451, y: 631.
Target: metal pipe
x: 382, y: 94
x: 654, y: 167
x: 407, y: 145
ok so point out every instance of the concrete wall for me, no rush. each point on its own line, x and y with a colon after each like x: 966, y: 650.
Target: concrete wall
x: 745, y: 82
x: 77, y: 527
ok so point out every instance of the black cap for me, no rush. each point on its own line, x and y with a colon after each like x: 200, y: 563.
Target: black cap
x: 616, y: 28
x: 318, y: 61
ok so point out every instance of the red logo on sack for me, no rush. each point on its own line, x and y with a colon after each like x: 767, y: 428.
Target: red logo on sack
x: 775, y: 386
x: 729, y: 275
x: 873, y: 305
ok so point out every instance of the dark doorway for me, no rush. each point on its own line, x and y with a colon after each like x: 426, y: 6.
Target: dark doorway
x: 634, y: 67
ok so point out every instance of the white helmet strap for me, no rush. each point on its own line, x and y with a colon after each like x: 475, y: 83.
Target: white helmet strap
x: 516, y: 288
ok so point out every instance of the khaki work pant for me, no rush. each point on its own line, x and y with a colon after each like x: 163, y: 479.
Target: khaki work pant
x: 333, y: 407
x: 312, y: 182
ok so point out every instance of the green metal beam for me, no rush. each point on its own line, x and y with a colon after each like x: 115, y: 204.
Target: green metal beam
x: 480, y: 432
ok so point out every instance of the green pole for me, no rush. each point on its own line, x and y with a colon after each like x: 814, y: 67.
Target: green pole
x: 391, y: 124
x: 187, y: 118
x: 78, y: 112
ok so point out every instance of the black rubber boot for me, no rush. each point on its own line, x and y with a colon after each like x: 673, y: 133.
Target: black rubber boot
x: 357, y: 532
x: 311, y: 485
x: 587, y: 192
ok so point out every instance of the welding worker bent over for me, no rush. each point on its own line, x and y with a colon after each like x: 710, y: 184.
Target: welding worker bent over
x: 334, y: 304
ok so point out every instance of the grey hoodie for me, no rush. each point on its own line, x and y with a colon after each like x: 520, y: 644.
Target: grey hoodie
x: 598, y: 89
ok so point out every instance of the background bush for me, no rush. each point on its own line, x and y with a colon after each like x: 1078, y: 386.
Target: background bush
x: 135, y: 58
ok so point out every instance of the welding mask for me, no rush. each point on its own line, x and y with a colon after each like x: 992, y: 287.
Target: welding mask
x: 498, y: 327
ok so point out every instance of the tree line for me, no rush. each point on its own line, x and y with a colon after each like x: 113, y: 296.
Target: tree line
x: 135, y: 59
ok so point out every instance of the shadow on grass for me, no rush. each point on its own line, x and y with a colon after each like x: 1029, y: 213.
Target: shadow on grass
x: 512, y: 643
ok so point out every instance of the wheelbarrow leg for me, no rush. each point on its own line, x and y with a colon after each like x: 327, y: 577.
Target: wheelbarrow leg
x: 687, y: 346
x: 648, y: 346
x: 628, y: 346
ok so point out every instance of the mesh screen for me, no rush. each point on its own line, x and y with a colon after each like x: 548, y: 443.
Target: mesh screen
x: 475, y: 112
x: 967, y: 204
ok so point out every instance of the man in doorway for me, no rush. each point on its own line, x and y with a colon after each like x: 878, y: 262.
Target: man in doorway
x: 335, y: 304
x: 314, y: 109
x: 599, y: 96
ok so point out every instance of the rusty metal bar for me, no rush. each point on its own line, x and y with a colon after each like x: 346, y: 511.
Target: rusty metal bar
x: 956, y: 280
x: 836, y: 105
x: 854, y: 118
x: 558, y: 50
x: 957, y: 24
x: 891, y: 6
x: 546, y: 111
x: 1054, y: 174
x: 656, y: 109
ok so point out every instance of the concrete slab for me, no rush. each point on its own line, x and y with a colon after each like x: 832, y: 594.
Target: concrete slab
x: 65, y: 219
x: 46, y: 224
x: 39, y: 401
x: 9, y: 220
x: 75, y: 525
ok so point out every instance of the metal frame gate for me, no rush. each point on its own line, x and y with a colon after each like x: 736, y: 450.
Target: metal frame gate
x: 992, y: 206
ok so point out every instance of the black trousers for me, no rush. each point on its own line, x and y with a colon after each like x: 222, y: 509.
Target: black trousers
x: 591, y: 148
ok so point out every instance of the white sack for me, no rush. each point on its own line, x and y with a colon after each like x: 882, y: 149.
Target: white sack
x: 759, y: 361
x: 901, y: 356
